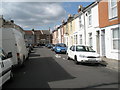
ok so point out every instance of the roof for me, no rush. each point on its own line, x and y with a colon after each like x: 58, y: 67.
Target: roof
x: 28, y: 32
x: 45, y: 31
x: 37, y: 32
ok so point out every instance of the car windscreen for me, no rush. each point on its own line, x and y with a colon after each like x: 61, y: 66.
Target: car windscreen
x: 61, y: 45
x: 0, y: 53
x: 84, y: 48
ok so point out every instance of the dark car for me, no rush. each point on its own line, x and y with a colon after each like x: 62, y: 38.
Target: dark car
x: 49, y: 45
x: 53, y: 47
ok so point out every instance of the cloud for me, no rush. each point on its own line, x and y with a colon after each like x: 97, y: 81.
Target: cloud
x: 32, y: 14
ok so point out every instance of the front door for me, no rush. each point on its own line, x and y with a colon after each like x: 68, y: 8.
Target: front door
x: 103, y: 42
x: 98, y: 41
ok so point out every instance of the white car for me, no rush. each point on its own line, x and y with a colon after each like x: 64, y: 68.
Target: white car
x: 5, y: 67
x: 83, y: 54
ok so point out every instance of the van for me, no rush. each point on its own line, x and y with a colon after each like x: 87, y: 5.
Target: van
x: 13, y: 40
x: 5, y: 67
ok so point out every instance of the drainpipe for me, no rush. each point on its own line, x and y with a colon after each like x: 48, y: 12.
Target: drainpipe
x: 84, y: 28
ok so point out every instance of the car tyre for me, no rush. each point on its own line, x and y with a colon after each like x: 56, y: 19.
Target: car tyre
x: 68, y: 58
x: 75, y: 60
x: 11, y: 76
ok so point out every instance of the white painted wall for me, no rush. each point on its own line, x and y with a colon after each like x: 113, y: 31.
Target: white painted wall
x: 79, y: 30
x: 59, y: 35
x: 94, y: 27
x: 110, y: 53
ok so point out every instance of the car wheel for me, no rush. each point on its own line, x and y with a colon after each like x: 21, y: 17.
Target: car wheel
x: 75, y: 60
x: 68, y: 58
x: 11, y: 76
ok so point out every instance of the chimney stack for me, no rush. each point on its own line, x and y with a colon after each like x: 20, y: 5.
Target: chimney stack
x: 80, y: 8
x: 63, y: 21
x: 69, y: 15
x: 12, y: 21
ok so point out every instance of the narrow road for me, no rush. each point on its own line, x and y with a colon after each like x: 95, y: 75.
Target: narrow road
x: 45, y: 69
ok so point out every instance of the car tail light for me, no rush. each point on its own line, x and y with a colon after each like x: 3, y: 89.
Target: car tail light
x: 18, y: 55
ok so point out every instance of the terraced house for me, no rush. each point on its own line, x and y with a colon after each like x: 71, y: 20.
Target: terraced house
x: 109, y: 23
x: 98, y: 26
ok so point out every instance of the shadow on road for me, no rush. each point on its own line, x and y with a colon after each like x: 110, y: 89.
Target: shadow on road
x: 103, y: 84
x: 34, y: 55
x: 37, y: 73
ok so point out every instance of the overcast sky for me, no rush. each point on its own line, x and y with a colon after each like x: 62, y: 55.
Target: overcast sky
x: 38, y: 15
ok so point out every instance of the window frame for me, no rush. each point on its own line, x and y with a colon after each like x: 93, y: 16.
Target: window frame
x: 111, y: 10
x: 89, y: 15
x: 113, y: 39
x: 90, y: 39
x: 80, y: 39
x: 80, y: 21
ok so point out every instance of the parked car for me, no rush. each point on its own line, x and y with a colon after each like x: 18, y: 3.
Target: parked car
x: 49, y: 45
x: 60, y: 48
x: 83, y: 54
x: 13, y: 40
x: 46, y: 45
x: 53, y: 47
x: 5, y: 67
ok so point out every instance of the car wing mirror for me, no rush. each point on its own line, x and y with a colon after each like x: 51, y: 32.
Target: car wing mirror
x: 9, y: 55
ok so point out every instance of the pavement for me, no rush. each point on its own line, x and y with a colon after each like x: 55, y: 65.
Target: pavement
x: 111, y: 64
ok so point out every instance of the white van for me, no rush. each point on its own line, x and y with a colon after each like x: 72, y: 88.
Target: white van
x: 13, y: 40
x: 5, y: 67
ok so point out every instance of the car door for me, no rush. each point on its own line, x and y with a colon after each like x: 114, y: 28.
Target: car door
x: 73, y: 52
x: 5, y: 64
x: 70, y: 51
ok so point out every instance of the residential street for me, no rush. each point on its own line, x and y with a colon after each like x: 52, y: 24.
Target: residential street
x: 45, y: 69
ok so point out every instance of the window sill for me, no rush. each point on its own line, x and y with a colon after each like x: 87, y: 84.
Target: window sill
x: 113, y: 18
x: 89, y: 26
x: 115, y: 51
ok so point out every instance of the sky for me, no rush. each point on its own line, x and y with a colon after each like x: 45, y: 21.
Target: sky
x: 39, y: 15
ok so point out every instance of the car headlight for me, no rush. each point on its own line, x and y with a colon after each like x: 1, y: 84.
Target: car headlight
x: 82, y: 56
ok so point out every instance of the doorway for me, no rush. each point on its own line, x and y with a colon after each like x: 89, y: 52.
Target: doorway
x: 103, y: 42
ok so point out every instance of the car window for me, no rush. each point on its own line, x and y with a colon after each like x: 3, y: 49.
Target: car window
x: 72, y: 48
x: 84, y: 48
x: 2, y: 54
x: 61, y: 45
x: 80, y: 48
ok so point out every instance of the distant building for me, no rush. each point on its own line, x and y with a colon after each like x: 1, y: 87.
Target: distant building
x: 55, y: 36
x: 29, y: 37
x: 36, y: 37
x: 45, y: 37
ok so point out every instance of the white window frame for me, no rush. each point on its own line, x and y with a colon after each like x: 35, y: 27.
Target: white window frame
x: 67, y: 28
x: 117, y: 50
x: 90, y: 39
x: 111, y: 8
x: 71, y: 25
x: 89, y: 15
x: 80, y: 21
x: 80, y: 39
x: 76, y: 39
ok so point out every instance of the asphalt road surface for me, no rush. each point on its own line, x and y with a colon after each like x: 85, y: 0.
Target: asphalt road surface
x: 45, y: 69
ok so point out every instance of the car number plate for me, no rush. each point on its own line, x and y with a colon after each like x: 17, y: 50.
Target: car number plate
x: 63, y: 50
x: 92, y: 59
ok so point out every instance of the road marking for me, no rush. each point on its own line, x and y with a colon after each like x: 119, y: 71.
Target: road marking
x: 64, y: 59
x: 57, y: 56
